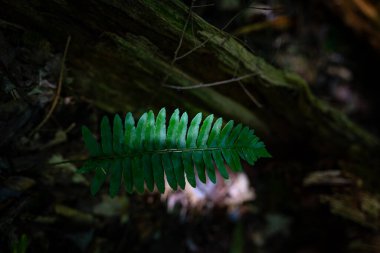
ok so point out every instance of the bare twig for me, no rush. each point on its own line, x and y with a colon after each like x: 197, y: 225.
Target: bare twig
x: 203, y: 5
x: 175, y: 57
x: 192, y: 28
x: 249, y: 94
x: 183, y: 33
x: 246, y: 91
x: 266, y: 8
x: 59, y: 88
x: 208, y: 39
x: 204, y: 85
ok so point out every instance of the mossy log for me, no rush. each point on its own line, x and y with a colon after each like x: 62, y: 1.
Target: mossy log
x: 121, y: 59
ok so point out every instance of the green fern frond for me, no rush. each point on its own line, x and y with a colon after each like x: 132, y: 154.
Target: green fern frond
x: 144, y: 154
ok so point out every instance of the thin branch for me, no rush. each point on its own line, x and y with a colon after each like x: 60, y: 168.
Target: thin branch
x: 193, y: 49
x: 183, y: 33
x: 246, y: 91
x: 175, y: 57
x: 203, y: 5
x: 233, y: 19
x: 249, y: 94
x: 266, y: 8
x: 208, y: 39
x: 204, y: 85
x: 59, y: 88
x: 192, y: 29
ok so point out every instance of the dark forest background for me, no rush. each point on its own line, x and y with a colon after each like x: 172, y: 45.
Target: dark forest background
x: 312, y: 99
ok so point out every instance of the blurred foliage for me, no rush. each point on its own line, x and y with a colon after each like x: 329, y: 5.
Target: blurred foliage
x: 21, y: 244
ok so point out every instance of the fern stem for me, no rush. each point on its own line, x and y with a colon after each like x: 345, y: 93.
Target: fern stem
x: 165, y: 151
x: 149, y: 152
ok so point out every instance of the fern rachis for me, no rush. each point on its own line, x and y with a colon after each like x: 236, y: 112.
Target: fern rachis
x: 147, y: 152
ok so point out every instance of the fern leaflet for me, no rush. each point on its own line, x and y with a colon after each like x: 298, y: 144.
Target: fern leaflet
x: 146, y: 153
